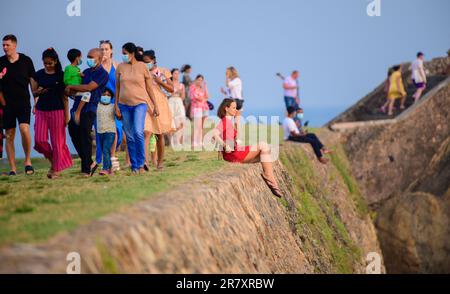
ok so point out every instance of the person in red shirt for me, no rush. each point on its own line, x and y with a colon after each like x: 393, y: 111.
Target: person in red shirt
x: 226, y: 135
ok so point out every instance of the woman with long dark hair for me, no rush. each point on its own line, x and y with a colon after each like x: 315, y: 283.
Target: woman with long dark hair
x: 51, y: 110
x: 134, y: 94
x: 160, y: 125
x: 226, y: 135
x: 199, y: 109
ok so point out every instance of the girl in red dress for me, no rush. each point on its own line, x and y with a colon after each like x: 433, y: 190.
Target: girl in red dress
x: 226, y: 135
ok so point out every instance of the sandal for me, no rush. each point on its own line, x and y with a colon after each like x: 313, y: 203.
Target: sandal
x: 274, y: 189
x: 29, y: 170
x: 12, y: 173
x: 53, y: 176
x: 93, y: 170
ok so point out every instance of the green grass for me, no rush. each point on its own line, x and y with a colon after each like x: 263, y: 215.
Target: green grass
x: 34, y: 208
x: 319, y: 226
x: 339, y: 160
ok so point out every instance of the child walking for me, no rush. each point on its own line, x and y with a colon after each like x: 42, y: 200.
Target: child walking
x: 106, y: 129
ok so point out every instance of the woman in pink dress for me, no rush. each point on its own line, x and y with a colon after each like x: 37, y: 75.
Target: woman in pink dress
x: 199, y: 109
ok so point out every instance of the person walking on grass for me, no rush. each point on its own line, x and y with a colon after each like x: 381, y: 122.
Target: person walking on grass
x: 94, y: 81
x: 106, y: 129
x: 292, y: 133
x: 51, y: 110
x: 158, y: 126
x: 16, y: 70
x: 110, y: 66
x: 134, y: 94
x: 226, y: 134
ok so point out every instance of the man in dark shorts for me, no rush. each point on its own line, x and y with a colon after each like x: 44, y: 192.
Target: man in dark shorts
x: 16, y: 69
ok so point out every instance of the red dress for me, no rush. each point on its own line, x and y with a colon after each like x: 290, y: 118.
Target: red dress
x: 229, y: 135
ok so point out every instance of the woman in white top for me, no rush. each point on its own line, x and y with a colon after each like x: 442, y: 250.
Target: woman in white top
x: 234, y: 87
x: 176, y: 105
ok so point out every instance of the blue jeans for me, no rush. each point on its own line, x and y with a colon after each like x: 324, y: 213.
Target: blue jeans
x: 99, y: 149
x: 290, y: 102
x: 106, y: 141
x: 133, y: 119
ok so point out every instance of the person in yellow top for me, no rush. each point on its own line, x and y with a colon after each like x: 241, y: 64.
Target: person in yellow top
x: 396, y: 89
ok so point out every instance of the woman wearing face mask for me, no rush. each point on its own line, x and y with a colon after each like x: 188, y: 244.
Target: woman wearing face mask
x: 134, y: 94
x: 162, y: 124
x: 199, y: 109
x: 110, y: 66
x: 51, y: 109
x: 226, y: 134
x: 176, y: 106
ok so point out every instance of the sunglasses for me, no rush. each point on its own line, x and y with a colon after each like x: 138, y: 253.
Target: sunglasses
x: 105, y: 42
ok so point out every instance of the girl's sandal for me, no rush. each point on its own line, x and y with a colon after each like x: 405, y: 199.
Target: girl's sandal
x: 29, y: 170
x: 273, y: 188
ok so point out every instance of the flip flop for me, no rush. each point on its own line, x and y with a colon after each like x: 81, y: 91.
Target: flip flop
x: 12, y: 173
x: 93, y: 170
x: 29, y: 170
x: 275, y: 190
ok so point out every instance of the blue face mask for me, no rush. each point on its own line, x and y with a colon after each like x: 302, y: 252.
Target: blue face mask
x: 150, y: 65
x: 80, y: 62
x: 125, y: 58
x: 300, y: 115
x: 105, y: 100
x: 91, y: 62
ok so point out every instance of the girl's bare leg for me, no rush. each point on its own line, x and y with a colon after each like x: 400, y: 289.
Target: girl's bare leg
x: 147, y: 136
x: 391, y: 106
x: 262, y: 154
x: 114, y: 146
x: 160, y: 149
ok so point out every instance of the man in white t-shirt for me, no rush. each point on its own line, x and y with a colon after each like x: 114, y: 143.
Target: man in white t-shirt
x: 418, y: 76
x: 292, y: 133
x: 290, y: 87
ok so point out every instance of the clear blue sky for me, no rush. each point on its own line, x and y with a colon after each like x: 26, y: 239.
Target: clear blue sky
x: 341, y: 52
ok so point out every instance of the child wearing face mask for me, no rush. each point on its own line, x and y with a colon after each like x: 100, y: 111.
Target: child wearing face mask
x: 106, y: 129
x: 73, y: 75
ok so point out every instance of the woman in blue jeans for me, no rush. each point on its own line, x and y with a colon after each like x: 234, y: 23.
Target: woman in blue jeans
x: 133, y: 96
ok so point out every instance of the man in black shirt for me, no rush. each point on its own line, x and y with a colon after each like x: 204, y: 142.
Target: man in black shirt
x: 16, y: 69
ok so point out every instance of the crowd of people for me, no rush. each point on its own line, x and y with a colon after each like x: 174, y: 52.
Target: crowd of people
x: 135, y: 102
